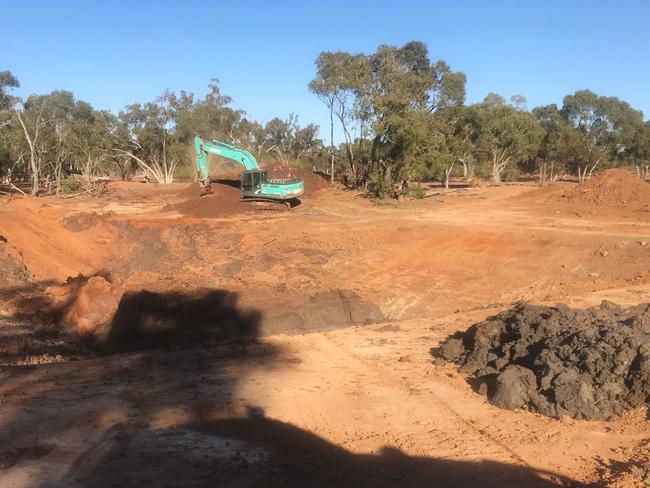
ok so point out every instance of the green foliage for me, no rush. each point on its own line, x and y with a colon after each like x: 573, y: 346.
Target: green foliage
x: 507, y: 135
x: 382, y: 202
x: 411, y: 124
x: 417, y: 193
x: 70, y: 186
x: 402, y: 117
x: 386, y: 98
x: 7, y: 81
x: 380, y: 187
x: 185, y: 172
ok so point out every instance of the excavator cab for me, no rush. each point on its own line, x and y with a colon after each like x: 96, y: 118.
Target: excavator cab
x: 251, y: 182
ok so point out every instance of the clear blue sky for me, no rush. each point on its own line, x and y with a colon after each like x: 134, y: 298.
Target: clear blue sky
x: 112, y: 53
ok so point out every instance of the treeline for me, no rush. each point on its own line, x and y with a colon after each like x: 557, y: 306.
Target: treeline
x: 45, y: 139
x: 404, y: 119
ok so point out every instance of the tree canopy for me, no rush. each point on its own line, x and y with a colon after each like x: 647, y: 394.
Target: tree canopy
x: 402, y: 117
x: 47, y: 138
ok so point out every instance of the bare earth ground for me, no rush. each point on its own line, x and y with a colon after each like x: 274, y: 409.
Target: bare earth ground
x: 336, y: 387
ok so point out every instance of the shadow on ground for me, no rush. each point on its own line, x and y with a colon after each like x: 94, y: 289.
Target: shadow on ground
x: 186, y: 355
x: 257, y: 451
x: 136, y: 320
x: 147, y: 319
x: 173, y: 416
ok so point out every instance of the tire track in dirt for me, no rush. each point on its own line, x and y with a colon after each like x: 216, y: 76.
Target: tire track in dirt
x: 484, y: 444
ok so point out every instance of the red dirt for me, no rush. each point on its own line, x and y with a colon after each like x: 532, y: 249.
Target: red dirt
x: 224, y: 200
x: 87, y: 304
x: 193, y: 190
x: 320, y: 409
x: 12, y: 265
x: 612, y: 188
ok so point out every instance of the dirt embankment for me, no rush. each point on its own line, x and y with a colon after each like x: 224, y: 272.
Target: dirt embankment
x: 591, y: 364
x: 616, y: 188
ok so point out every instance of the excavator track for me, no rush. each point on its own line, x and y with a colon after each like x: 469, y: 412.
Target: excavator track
x: 271, y: 204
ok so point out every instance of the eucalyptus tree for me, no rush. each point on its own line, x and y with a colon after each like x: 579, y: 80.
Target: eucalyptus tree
x: 7, y: 82
x: 9, y: 136
x: 46, y: 122
x: 551, y: 157
x: 457, y: 132
x: 603, y: 127
x: 637, y: 154
x: 341, y: 83
x: 287, y: 140
x: 149, y: 133
x: 507, y: 135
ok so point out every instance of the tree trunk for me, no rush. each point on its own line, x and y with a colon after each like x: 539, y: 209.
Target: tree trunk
x: 496, y: 171
x: 332, y: 144
x: 468, y: 170
x: 448, y: 171
x: 57, y: 173
x: 35, y: 176
x: 32, y: 154
x: 584, y: 174
x: 552, y: 174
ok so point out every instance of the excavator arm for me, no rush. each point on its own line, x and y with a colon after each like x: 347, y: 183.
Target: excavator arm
x: 212, y: 146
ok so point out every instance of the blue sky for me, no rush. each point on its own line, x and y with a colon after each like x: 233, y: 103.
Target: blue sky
x: 112, y: 53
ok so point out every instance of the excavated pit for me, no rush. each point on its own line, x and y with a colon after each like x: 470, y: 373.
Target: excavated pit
x: 87, y: 316
x: 586, y: 364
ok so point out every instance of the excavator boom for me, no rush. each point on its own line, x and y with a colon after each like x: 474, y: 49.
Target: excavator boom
x: 219, y: 148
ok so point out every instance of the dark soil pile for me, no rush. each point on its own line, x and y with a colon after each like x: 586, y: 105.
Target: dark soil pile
x: 313, y: 182
x: 193, y: 190
x: 224, y: 200
x: 589, y: 364
x: 617, y: 188
x: 82, y: 221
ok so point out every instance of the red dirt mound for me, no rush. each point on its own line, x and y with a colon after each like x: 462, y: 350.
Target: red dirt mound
x: 12, y: 266
x: 193, y: 190
x: 313, y: 182
x: 87, y: 304
x: 617, y: 188
x: 224, y: 200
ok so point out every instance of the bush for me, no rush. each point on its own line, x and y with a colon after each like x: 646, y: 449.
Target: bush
x: 511, y: 173
x: 184, y: 172
x: 379, y: 188
x: 70, y: 185
x: 380, y: 202
x: 417, y: 193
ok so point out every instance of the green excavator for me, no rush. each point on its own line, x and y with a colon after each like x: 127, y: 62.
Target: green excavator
x: 255, y: 182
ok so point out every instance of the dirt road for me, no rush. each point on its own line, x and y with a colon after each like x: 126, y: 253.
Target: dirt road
x: 332, y: 383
